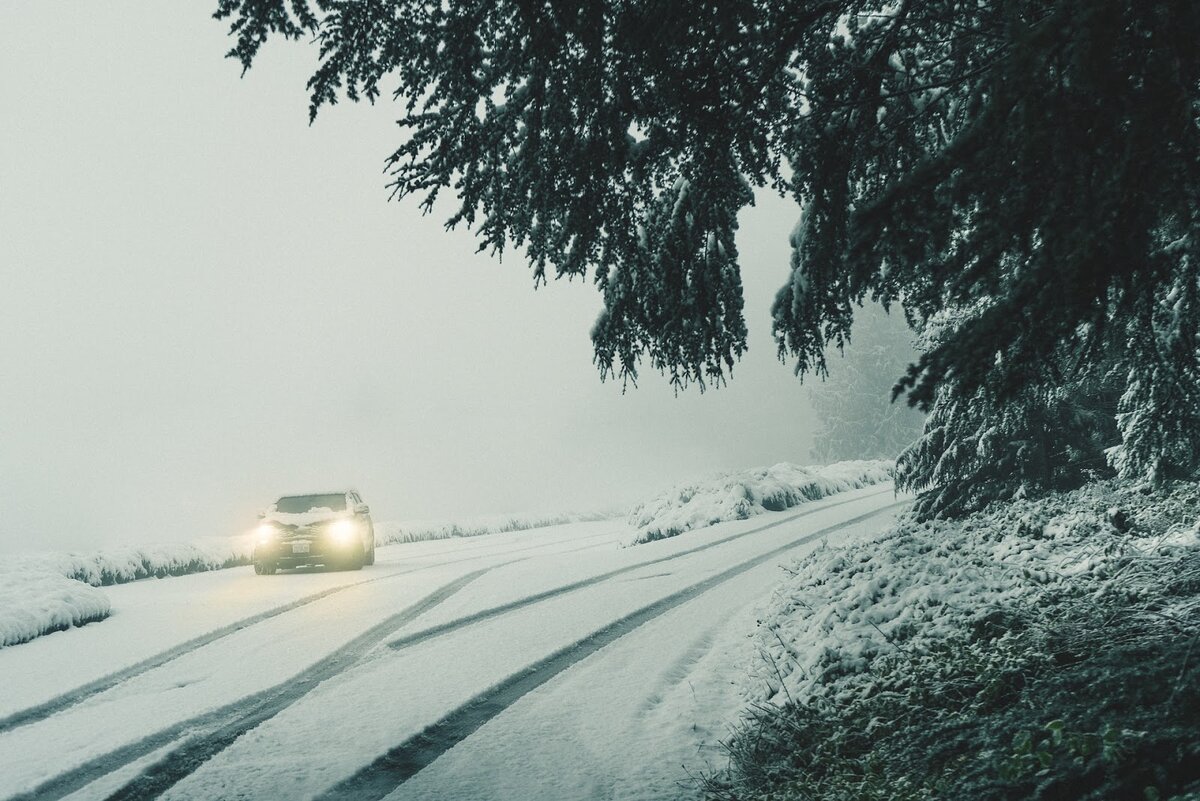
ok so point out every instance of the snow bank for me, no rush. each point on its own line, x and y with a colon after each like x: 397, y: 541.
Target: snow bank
x: 36, y: 603
x: 45, y: 592
x: 741, y: 494
x: 119, y: 565
x: 921, y: 585
x: 389, y: 533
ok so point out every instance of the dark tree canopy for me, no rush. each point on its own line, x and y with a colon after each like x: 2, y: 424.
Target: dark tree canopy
x: 1034, y: 161
x: 977, y: 448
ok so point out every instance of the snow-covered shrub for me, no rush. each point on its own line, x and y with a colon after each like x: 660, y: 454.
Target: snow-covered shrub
x: 979, y: 446
x: 119, y: 565
x: 389, y: 533
x: 1038, y: 649
x: 33, y: 603
x: 1159, y: 413
x: 744, y: 493
x: 977, y: 450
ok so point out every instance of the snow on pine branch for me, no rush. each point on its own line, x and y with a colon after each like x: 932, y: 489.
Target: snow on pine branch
x: 744, y: 493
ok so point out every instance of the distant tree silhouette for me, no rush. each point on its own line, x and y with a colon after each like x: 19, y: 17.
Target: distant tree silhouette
x: 857, y: 419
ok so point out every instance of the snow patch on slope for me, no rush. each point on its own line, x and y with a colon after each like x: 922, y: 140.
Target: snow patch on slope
x: 744, y: 493
x: 922, y: 585
x: 36, y: 603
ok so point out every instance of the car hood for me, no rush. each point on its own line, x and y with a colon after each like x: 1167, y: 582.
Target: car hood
x: 302, y: 519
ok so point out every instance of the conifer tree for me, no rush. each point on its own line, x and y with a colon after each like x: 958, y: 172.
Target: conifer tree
x: 1035, y: 160
x: 976, y: 449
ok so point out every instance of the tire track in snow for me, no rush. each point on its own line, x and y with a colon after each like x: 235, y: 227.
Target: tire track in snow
x: 495, y: 611
x: 389, y: 771
x: 206, y: 734
x: 67, y: 700
x: 679, y: 670
x: 61, y: 703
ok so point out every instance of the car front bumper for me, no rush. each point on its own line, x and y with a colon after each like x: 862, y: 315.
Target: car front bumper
x: 299, y: 552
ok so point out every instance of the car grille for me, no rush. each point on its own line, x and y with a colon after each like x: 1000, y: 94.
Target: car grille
x: 302, y: 533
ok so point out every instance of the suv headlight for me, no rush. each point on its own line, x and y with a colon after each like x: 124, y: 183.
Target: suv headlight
x: 343, y: 531
x: 266, y: 533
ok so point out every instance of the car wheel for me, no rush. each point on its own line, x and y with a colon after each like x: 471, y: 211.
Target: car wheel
x: 355, y: 560
x: 370, y: 560
x: 264, y: 568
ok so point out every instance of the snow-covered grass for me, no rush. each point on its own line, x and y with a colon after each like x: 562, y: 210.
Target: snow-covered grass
x: 39, y: 602
x: 1040, y: 648
x: 121, y: 564
x: 49, y: 591
x: 744, y: 493
x: 389, y: 533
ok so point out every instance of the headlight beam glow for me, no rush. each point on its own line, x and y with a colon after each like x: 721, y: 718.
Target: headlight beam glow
x: 343, y: 531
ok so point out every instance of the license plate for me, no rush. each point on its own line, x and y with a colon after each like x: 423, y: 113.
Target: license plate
x: 299, y: 547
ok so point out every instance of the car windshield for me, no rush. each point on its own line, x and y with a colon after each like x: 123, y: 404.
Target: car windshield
x: 299, y: 504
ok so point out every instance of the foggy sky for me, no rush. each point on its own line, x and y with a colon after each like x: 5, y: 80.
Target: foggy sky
x: 208, y: 303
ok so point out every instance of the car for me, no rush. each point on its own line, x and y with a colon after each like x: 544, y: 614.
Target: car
x: 327, y: 528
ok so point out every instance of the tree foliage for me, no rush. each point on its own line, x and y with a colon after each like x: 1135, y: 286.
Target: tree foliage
x: 1035, y: 160
x: 975, y: 450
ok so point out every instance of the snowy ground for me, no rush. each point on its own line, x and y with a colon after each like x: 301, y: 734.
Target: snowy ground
x: 922, y: 585
x: 740, y: 494
x: 34, y: 600
x: 549, y: 663
x: 1041, y: 648
x: 43, y: 592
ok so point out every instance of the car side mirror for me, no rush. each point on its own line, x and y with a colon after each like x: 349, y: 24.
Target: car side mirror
x: 362, y: 509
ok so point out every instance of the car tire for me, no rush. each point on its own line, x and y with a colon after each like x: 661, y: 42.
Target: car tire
x: 265, y: 568
x: 370, y: 560
x: 355, y: 560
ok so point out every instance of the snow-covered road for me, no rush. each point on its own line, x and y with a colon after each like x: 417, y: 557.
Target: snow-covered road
x: 550, y: 663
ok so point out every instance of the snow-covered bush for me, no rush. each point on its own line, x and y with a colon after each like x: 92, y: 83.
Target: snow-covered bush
x: 744, y: 493
x: 979, y: 446
x: 119, y: 565
x: 1037, y: 649
x: 389, y: 533
x: 33, y: 603
x: 923, y: 583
